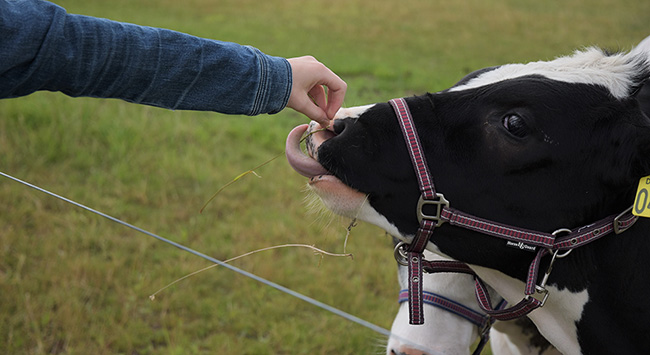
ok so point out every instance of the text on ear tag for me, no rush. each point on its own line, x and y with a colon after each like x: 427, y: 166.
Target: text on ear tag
x: 642, y: 199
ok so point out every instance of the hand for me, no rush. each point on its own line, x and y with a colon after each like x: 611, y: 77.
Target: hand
x: 308, y: 94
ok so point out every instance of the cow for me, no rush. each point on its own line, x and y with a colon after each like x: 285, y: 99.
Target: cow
x: 551, y: 150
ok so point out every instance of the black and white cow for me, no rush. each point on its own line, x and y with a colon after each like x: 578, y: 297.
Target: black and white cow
x: 542, y: 146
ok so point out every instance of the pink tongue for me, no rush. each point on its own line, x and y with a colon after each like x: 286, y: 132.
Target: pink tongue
x: 300, y: 162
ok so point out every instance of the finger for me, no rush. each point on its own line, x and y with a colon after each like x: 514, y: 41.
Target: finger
x: 336, y: 89
x: 334, y: 100
x: 317, y: 114
x: 307, y: 107
x: 317, y: 93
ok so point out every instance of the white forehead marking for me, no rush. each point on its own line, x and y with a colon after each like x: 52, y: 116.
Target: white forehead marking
x: 352, y: 112
x: 592, y: 66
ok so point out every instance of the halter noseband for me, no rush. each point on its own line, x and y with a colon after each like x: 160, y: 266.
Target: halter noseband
x: 562, y: 240
x: 481, y: 320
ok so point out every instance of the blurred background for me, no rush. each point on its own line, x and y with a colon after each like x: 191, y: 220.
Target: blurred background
x: 74, y: 283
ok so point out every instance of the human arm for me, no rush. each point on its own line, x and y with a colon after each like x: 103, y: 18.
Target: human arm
x: 44, y: 48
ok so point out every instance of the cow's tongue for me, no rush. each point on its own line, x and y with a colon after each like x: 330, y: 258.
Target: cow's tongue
x: 300, y: 162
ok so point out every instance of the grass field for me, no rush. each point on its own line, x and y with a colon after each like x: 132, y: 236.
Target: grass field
x: 72, y: 282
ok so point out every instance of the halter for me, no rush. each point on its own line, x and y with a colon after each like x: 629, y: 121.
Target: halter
x: 481, y: 320
x: 562, y: 240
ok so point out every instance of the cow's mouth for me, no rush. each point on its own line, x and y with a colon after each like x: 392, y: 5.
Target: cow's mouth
x: 336, y: 195
x: 307, y: 165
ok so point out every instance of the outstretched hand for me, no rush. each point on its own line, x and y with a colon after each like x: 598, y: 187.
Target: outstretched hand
x: 308, y: 94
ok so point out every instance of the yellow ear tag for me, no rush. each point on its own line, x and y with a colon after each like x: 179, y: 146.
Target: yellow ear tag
x: 642, y: 199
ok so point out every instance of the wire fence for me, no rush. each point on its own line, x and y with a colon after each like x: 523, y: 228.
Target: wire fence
x: 264, y: 281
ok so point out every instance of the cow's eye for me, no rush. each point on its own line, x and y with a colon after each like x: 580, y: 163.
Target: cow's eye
x: 515, y: 125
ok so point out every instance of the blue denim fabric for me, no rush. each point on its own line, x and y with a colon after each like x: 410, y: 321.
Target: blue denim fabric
x: 44, y: 48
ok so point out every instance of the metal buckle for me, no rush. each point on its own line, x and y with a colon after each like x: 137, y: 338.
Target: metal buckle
x: 541, y: 288
x: 440, y: 203
x: 541, y: 291
x: 485, y: 327
x: 618, y: 229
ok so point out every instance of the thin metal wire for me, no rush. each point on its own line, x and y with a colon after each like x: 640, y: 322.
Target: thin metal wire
x: 307, y: 299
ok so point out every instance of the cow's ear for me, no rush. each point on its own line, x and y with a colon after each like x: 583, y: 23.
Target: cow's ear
x: 641, y: 92
x: 640, y: 55
x: 642, y: 47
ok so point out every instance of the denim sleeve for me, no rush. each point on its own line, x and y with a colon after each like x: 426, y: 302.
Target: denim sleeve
x: 44, y: 48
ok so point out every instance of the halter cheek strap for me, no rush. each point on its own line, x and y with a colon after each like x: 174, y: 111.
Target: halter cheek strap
x: 419, y: 243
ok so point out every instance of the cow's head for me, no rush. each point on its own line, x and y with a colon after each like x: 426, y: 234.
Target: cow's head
x: 543, y: 145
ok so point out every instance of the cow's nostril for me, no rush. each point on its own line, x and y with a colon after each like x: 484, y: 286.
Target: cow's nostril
x: 339, y: 126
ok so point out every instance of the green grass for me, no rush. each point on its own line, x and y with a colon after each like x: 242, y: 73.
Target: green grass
x: 72, y: 282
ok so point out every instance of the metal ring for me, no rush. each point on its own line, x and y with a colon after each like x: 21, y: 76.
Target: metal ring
x: 400, y: 254
x: 556, y: 253
x: 560, y: 256
x: 561, y: 230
